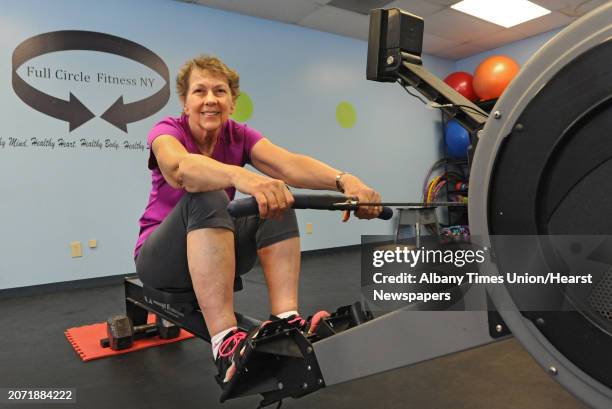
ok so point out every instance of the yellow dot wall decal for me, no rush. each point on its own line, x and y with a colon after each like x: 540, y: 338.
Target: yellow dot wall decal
x: 346, y: 115
x: 244, y: 108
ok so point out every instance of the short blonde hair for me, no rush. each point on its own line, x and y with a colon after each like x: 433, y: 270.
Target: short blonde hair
x: 208, y: 63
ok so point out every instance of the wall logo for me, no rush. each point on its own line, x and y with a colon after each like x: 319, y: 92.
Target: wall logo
x: 74, y: 111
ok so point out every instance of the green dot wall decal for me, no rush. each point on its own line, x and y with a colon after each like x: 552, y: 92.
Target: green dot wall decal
x: 346, y: 115
x: 244, y: 108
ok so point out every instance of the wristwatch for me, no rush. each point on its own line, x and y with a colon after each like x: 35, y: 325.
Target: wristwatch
x: 338, y: 184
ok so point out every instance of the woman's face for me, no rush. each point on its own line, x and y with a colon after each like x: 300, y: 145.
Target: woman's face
x: 208, y: 102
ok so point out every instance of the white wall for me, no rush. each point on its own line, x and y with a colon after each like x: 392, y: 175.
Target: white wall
x: 295, y: 76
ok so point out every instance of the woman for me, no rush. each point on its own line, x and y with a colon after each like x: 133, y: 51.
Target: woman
x: 187, y: 238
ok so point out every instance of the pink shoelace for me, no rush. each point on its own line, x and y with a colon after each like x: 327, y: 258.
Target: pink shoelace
x: 299, y: 320
x: 231, y: 343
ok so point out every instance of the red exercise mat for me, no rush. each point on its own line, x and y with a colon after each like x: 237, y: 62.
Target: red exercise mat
x: 86, y: 341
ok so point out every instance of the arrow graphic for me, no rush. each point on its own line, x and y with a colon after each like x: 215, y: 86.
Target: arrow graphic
x: 74, y: 111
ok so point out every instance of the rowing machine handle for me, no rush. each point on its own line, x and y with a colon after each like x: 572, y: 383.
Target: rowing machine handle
x: 248, y: 206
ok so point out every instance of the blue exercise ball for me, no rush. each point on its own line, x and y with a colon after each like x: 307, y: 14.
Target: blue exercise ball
x: 457, y: 139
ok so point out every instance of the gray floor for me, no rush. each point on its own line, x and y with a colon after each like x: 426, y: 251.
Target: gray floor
x: 35, y: 353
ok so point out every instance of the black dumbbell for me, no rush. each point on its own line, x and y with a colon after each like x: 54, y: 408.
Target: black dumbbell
x: 121, y: 332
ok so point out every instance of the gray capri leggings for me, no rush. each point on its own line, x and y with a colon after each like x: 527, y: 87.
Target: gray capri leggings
x: 162, y: 259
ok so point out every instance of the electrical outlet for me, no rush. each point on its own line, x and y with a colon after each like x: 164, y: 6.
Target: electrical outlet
x: 308, y: 228
x: 93, y: 243
x: 75, y: 249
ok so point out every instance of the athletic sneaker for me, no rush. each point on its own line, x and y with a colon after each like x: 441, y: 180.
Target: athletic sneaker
x: 226, y: 364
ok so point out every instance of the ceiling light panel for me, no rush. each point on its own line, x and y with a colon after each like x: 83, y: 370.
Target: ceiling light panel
x: 506, y: 13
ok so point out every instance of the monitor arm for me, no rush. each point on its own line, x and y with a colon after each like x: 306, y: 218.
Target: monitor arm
x: 394, y: 55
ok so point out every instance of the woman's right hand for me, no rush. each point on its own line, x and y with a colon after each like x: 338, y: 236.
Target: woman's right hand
x: 272, y: 195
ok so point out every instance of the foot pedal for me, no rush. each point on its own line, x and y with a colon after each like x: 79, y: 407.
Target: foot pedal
x: 278, y: 362
x: 344, y: 318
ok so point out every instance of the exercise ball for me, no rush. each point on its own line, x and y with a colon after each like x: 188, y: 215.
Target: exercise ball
x: 461, y: 82
x: 457, y: 139
x: 493, y: 75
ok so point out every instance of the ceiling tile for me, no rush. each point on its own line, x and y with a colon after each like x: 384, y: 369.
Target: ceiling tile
x: 338, y: 21
x: 361, y: 6
x: 571, y: 8
x: 443, y: 2
x: 461, y: 51
x: 580, y: 9
x: 432, y: 44
x: 552, y: 4
x: 319, y: 2
x: 419, y: 7
x: 288, y: 11
x: 454, y: 25
x: 543, y: 24
x: 498, y: 39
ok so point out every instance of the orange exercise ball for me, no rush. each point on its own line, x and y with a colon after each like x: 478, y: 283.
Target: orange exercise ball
x: 493, y: 75
x: 461, y: 82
